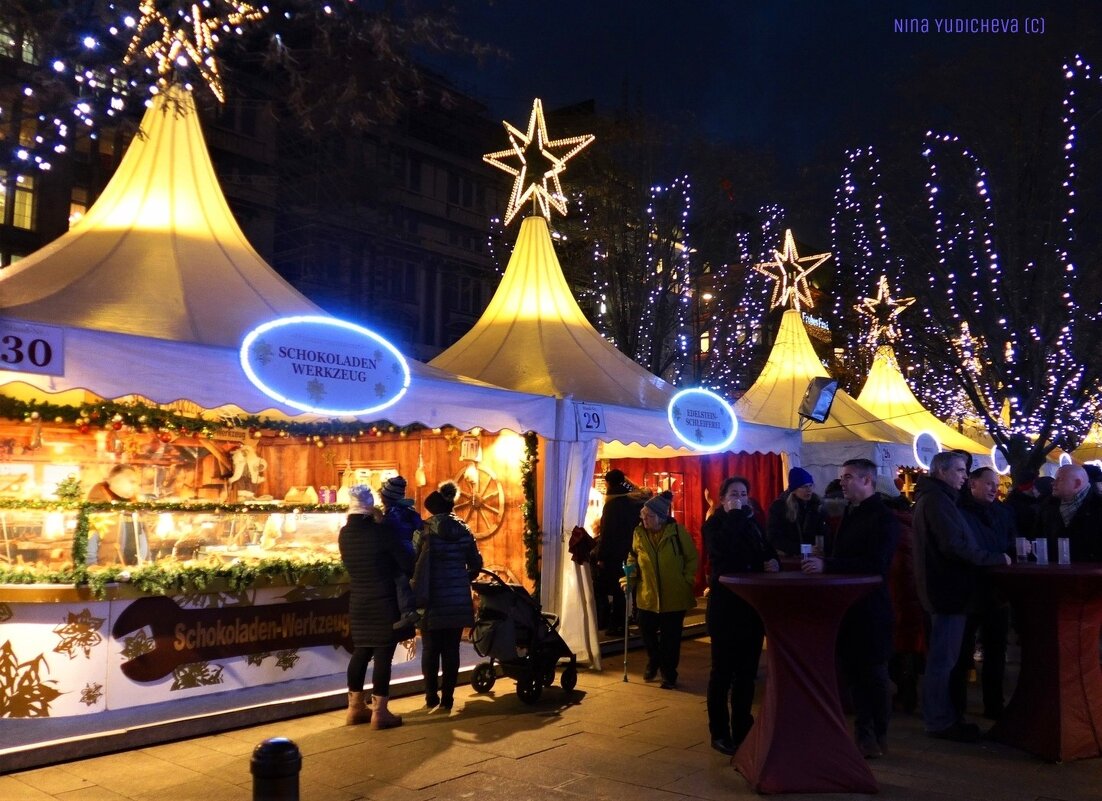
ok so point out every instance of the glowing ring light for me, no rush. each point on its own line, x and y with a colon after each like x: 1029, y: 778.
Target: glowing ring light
x: 998, y: 459
x: 324, y: 365
x: 702, y: 420
x: 1065, y: 459
x: 925, y: 444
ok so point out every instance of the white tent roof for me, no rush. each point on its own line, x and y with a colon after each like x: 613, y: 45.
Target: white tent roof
x: 775, y: 397
x: 887, y: 395
x: 533, y: 337
x: 114, y: 365
x: 156, y: 286
x: 159, y: 254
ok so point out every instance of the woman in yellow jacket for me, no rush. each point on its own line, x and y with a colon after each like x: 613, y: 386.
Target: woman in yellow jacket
x: 666, y: 559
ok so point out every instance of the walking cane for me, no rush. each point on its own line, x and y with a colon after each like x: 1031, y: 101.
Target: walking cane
x: 629, y: 597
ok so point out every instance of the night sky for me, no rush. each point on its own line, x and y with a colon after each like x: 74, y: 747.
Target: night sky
x: 802, y: 80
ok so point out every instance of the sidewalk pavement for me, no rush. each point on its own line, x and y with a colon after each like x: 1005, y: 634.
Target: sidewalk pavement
x: 608, y: 740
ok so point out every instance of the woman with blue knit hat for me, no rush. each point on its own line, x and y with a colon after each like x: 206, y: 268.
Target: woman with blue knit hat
x: 665, y: 558
x: 797, y: 517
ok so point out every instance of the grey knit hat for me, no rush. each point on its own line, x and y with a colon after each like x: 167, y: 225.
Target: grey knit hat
x: 661, y: 505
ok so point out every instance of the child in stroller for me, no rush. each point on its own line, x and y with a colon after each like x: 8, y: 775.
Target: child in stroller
x: 515, y: 635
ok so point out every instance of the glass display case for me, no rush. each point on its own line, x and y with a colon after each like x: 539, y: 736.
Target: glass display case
x: 143, y: 534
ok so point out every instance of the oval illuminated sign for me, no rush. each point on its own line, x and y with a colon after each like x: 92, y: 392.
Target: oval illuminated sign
x: 702, y: 419
x: 925, y: 447
x: 1065, y: 459
x: 324, y: 365
x: 998, y: 459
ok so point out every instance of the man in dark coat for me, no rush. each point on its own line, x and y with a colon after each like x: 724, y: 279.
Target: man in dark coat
x: 373, y: 554
x: 995, y: 531
x: 1075, y: 512
x: 946, y: 561
x: 618, y: 521
x: 865, y: 543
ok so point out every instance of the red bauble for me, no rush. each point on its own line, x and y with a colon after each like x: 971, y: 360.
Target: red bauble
x: 83, y: 428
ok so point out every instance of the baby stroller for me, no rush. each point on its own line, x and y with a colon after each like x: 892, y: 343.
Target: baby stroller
x: 516, y: 636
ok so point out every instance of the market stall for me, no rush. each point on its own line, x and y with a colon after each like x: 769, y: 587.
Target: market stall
x: 219, y: 572
x: 534, y: 337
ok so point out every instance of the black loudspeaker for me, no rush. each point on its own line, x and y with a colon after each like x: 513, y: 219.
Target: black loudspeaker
x: 818, y: 399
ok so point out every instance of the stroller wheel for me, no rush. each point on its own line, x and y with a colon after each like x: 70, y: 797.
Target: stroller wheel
x: 529, y: 687
x: 483, y: 677
x: 569, y: 678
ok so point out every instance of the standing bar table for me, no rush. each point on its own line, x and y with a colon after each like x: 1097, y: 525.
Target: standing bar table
x: 800, y: 742
x: 1056, y: 709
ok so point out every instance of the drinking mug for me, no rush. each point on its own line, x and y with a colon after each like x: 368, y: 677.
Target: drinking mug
x: 1063, y: 551
x: 1022, y: 549
x: 1040, y: 548
x: 805, y: 550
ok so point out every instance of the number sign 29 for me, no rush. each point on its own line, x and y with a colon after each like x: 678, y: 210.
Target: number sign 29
x: 591, y: 417
x: 31, y: 348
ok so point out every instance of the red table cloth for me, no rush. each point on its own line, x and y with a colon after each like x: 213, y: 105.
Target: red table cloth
x: 1056, y: 709
x: 800, y: 742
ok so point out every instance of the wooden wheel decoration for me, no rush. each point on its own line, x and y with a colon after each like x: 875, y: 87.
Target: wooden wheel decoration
x: 481, y: 501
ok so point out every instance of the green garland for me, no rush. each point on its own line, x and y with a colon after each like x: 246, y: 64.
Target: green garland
x: 532, y: 535
x: 108, y: 414
x: 171, y: 578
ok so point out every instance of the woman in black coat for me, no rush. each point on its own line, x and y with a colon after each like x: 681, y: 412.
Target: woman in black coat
x: 734, y: 543
x: 448, y: 560
x: 373, y: 554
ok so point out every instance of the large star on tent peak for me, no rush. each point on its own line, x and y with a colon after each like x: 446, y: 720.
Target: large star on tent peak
x: 789, y: 271
x: 189, y: 39
x: 883, y: 311
x: 539, y: 162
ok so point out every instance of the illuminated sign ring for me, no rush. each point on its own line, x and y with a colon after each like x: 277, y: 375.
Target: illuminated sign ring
x: 998, y: 460
x: 702, y: 420
x: 924, y: 446
x: 309, y: 361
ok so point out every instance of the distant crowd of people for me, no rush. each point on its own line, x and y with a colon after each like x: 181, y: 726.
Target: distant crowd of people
x: 934, y: 611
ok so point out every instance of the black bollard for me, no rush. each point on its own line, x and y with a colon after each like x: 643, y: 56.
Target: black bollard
x: 275, y: 767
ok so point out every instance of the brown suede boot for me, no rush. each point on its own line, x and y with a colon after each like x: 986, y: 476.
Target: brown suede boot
x: 381, y: 717
x: 358, y: 710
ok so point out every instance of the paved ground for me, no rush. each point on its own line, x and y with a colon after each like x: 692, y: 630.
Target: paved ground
x: 611, y: 740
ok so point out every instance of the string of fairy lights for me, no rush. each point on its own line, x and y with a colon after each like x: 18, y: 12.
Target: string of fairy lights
x: 669, y: 268
x: 861, y: 235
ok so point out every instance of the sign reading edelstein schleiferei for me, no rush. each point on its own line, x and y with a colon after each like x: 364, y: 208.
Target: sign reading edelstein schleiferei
x: 702, y: 419
x: 324, y: 365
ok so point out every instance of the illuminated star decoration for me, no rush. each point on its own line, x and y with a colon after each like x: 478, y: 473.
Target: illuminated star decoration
x: 530, y: 150
x: 882, y: 311
x: 177, y: 46
x: 789, y: 271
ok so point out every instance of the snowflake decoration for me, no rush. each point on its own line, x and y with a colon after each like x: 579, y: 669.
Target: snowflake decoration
x: 257, y: 659
x: 91, y: 694
x: 380, y: 390
x: 529, y: 148
x: 137, y: 644
x: 285, y: 660
x: 789, y: 271
x: 264, y: 352
x: 5, y: 612
x: 197, y: 674
x: 316, y: 390
x: 79, y: 632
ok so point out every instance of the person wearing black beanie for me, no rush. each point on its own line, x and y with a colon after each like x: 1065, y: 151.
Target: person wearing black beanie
x: 447, y: 562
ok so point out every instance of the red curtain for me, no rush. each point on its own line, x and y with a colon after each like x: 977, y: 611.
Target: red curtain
x: 695, y: 474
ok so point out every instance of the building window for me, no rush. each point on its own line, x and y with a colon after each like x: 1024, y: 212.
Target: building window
x: 14, y: 44
x: 396, y: 278
x: 414, y: 181
x: 78, y: 204
x: 21, y: 195
x: 463, y: 294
